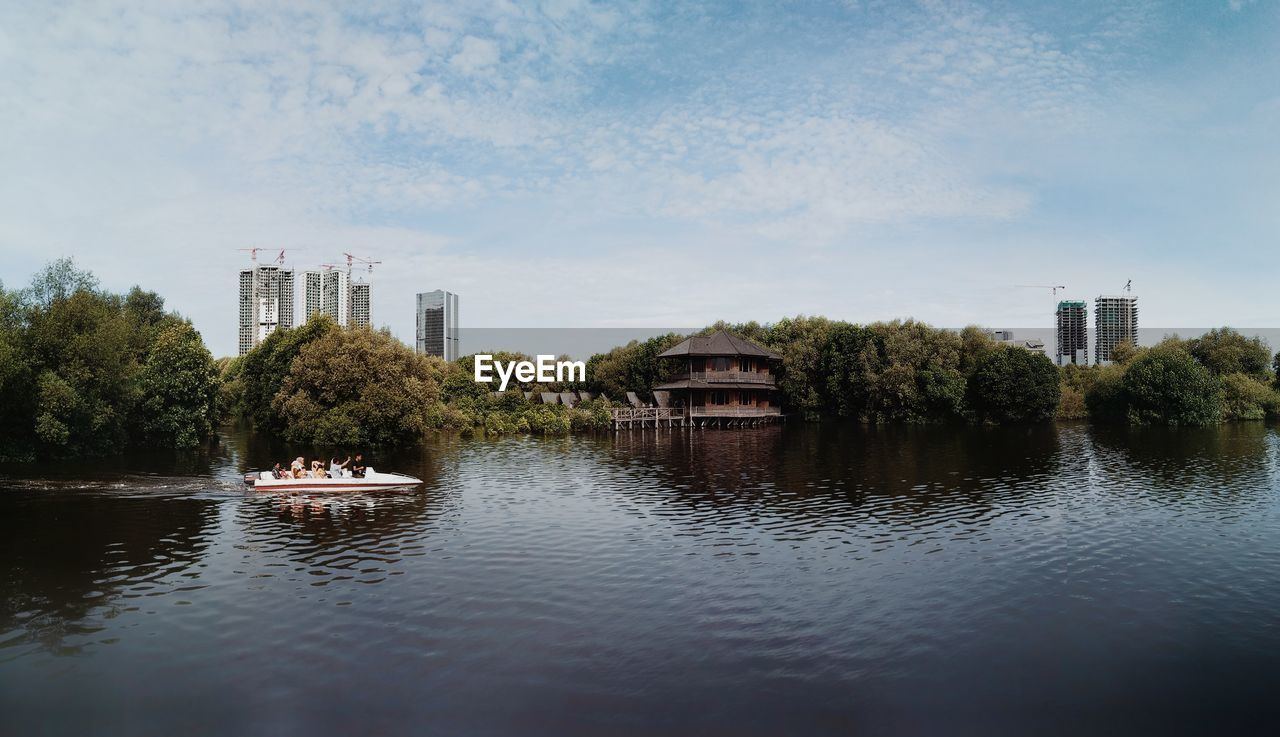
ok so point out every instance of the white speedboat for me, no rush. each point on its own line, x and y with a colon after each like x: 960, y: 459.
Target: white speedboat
x: 371, y: 481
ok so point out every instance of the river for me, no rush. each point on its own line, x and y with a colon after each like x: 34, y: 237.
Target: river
x: 785, y: 580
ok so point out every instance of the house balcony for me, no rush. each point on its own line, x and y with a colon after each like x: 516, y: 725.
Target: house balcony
x: 727, y: 377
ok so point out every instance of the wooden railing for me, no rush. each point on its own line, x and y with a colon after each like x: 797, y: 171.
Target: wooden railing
x: 647, y: 413
x: 738, y: 377
x: 731, y: 411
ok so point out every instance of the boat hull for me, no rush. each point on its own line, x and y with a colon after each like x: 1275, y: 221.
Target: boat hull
x: 372, y: 481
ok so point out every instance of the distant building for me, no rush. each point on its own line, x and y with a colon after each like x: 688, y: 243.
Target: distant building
x: 266, y: 303
x: 333, y: 293
x: 1005, y: 337
x: 360, y: 314
x: 1072, y: 333
x: 328, y: 293
x: 1115, y: 321
x: 437, y: 324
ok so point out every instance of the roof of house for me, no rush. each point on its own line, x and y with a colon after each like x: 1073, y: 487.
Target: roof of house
x: 719, y: 343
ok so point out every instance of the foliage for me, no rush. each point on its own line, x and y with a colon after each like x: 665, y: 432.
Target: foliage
x: 1014, y: 385
x: 1124, y: 353
x: 355, y: 387
x: 1246, y: 397
x: 83, y: 371
x: 633, y: 367
x: 1225, y: 351
x: 911, y: 373
x: 262, y: 371
x: 1165, y: 385
x: 179, y: 383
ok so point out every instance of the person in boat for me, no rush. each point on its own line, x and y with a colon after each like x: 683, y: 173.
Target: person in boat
x: 277, y: 471
x: 336, y: 469
x: 317, y: 469
x: 298, y: 468
x: 357, y: 466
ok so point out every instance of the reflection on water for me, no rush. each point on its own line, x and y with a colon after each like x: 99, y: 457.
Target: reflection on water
x: 73, y: 560
x: 827, y: 579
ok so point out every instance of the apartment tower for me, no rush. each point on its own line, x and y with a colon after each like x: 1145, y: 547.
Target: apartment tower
x: 1115, y: 321
x: 1073, y: 333
x: 360, y: 314
x: 437, y: 318
x: 266, y: 303
x: 333, y: 293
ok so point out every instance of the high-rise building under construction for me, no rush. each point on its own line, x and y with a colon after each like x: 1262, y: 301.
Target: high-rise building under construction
x: 360, y: 314
x: 335, y: 294
x: 1115, y: 321
x: 328, y: 293
x: 1073, y: 334
x: 266, y: 303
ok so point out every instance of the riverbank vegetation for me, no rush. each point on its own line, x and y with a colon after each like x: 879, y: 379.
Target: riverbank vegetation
x: 910, y: 372
x: 85, y: 372
x: 323, y: 385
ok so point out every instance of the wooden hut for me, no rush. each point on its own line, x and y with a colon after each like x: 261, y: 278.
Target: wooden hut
x: 726, y: 380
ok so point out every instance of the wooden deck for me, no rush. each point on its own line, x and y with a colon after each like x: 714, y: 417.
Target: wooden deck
x: 628, y: 418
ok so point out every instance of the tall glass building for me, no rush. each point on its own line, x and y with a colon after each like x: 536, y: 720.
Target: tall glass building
x: 438, y: 324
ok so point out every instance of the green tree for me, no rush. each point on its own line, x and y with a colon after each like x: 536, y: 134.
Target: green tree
x: 1124, y: 353
x: 1246, y: 397
x: 803, y: 374
x: 80, y: 345
x: 16, y: 382
x: 844, y: 392
x: 1104, y: 394
x: 1225, y: 351
x: 1014, y: 385
x: 912, y: 373
x: 1167, y: 386
x: 179, y: 383
x: 262, y: 370
x: 355, y: 387
x: 633, y: 367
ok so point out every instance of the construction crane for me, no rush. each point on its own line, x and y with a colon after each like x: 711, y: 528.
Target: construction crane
x: 1050, y: 287
x: 1128, y: 287
x: 253, y: 253
x: 362, y: 260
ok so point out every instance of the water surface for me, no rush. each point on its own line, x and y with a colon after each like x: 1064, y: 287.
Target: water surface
x: 797, y: 580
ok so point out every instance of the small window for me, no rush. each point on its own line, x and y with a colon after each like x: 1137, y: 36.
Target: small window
x: 722, y: 364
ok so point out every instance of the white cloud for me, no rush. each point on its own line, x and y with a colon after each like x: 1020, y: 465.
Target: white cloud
x: 474, y: 55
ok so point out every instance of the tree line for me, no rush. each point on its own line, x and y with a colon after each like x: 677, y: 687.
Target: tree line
x: 910, y: 372
x: 87, y: 372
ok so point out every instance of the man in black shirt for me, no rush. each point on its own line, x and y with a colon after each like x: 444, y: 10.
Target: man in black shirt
x: 357, y: 466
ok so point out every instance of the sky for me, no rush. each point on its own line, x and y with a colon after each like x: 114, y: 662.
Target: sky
x: 576, y: 164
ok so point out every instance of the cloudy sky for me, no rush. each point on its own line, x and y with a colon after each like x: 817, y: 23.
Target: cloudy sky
x: 567, y: 163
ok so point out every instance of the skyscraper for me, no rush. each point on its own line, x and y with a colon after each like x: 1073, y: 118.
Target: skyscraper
x: 1115, y: 321
x: 360, y: 315
x: 332, y: 293
x: 438, y: 324
x: 266, y: 303
x: 1073, y: 334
